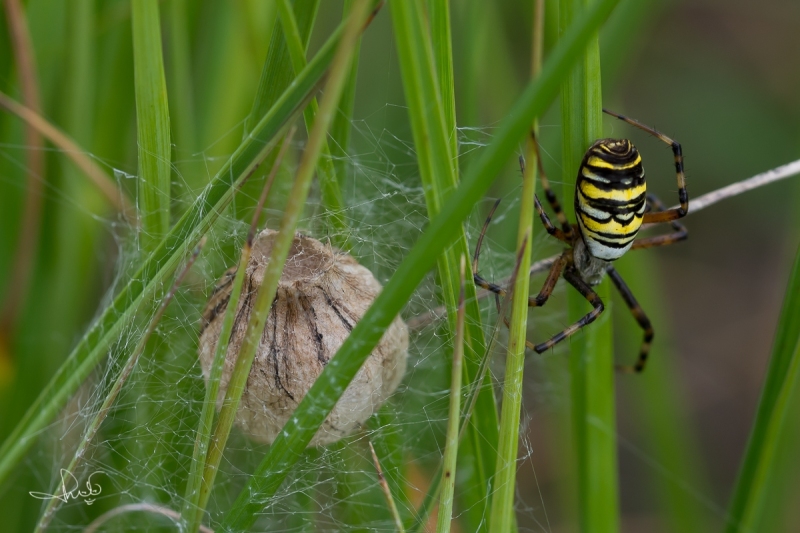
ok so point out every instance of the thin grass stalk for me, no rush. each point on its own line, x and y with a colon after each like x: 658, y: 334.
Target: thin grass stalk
x: 192, y: 512
x: 342, y: 122
x: 758, y: 466
x: 25, y: 256
x: 181, y: 88
x: 591, y: 360
x: 503, y: 517
x: 294, y: 209
x: 453, y: 418
x: 186, y: 233
x: 434, y: 139
x: 152, y: 123
x: 432, y: 496
x: 100, y: 179
x: 443, y: 230
x: 665, y: 426
x: 439, y: 14
x: 331, y: 194
x: 387, y: 491
x: 94, y: 426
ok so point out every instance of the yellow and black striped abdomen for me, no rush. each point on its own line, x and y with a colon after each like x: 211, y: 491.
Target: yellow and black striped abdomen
x: 610, y: 197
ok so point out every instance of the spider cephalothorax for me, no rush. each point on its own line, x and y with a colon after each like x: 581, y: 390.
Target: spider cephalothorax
x: 611, y: 204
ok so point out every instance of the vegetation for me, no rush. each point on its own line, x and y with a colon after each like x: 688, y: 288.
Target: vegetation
x: 408, y: 116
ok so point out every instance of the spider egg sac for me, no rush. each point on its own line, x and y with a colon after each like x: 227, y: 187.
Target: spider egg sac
x: 321, y: 295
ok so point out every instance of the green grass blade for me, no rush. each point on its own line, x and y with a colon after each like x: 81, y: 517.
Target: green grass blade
x: 332, y: 200
x: 503, y: 499
x: 192, y: 511
x: 340, y: 129
x: 434, y: 133
x: 758, y: 465
x: 503, y: 517
x: 280, y: 250
x: 152, y: 123
x: 592, y: 356
x: 453, y: 418
x: 181, y: 88
x: 665, y: 426
x: 441, y: 34
x: 163, y: 260
x: 443, y: 230
x: 278, y: 72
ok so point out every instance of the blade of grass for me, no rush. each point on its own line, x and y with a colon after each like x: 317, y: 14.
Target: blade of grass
x: 503, y: 517
x: 332, y: 200
x: 503, y: 499
x: 181, y: 87
x: 454, y: 416
x: 278, y: 72
x: 103, y: 182
x: 192, y: 512
x: 671, y: 444
x: 758, y: 465
x: 592, y: 358
x: 432, y: 496
x: 443, y: 230
x: 276, y: 75
x: 25, y: 256
x: 340, y: 129
x: 434, y: 131
x: 152, y: 123
x: 113, y: 393
x: 387, y: 492
x: 106, y: 331
x: 294, y: 209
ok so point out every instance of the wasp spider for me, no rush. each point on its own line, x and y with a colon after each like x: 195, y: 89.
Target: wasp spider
x: 611, y: 204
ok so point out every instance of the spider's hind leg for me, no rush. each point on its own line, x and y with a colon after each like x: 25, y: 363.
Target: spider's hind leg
x: 572, y: 276
x: 640, y: 317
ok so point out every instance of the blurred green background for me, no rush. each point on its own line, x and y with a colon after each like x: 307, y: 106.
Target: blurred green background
x: 721, y: 77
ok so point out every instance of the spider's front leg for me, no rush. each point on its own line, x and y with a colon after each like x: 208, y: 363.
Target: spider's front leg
x: 677, y: 153
x: 680, y: 232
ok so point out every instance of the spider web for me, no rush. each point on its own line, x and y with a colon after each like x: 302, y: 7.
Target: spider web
x: 143, y: 451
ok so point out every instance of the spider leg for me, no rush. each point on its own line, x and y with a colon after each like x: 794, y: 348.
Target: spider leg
x: 547, y: 289
x: 683, y: 196
x: 572, y: 276
x: 548, y: 192
x: 680, y: 233
x: 479, y: 281
x: 551, y: 229
x: 640, y: 317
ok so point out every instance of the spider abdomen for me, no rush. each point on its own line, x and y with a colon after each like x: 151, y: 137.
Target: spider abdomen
x: 610, y: 197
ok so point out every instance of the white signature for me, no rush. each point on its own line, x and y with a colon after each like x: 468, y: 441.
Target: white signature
x: 75, y: 493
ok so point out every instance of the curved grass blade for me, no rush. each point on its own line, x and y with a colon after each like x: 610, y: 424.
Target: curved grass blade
x: 116, y: 388
x: 747, y: 504
x: 503, y: 516
x: 332, y: 200
x: 152, y: 123
x: 443, y: 230
x: 592, y: 357
x: 428, y: 88
x: 192, y: 511
x: 294, y: 209
x: 453, y: 419
x: 109, y: 328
